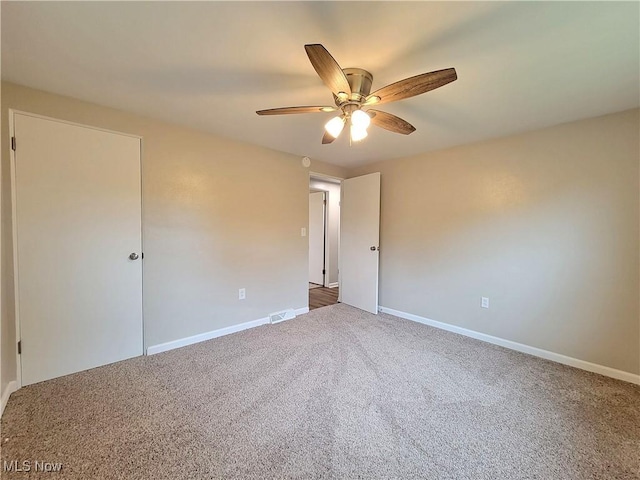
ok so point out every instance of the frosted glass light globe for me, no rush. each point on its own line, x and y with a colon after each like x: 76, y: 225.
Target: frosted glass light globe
x: 360, y: 119
x: 334, y: 126
x: 357, y: 133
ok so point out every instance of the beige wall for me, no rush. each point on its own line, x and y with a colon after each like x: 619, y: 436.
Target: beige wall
x: 218, y: 215
x: 328, y: 169
x: 545, y: 224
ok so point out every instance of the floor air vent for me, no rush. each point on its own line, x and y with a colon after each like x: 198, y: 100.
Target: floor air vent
x: 282, y: 316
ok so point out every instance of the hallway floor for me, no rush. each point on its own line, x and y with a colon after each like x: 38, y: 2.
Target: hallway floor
x: 322, y: 297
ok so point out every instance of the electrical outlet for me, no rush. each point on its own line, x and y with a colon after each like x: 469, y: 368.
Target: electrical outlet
x: 242, y: 294
x: 485, y: 302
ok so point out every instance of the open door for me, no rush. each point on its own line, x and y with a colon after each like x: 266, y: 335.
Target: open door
x: 359, y: 240
x: 316, y: 238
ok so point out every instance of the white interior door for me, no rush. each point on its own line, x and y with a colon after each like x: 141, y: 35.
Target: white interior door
x: 78, y: 219
x: 316, y: 237
x: 359, y: 241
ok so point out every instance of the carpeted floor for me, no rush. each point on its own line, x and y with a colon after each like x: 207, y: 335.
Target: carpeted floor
x: 336, y: 393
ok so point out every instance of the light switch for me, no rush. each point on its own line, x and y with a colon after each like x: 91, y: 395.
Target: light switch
x: 303, y: 232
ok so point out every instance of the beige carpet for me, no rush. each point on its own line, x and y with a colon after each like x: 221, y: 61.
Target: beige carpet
x: 336, y: 393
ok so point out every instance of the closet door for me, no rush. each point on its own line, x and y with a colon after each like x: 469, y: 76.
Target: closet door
x: 79, y: 247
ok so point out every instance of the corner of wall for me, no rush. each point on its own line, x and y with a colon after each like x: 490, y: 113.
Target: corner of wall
x: 6, y: 393
x: 8, y: 373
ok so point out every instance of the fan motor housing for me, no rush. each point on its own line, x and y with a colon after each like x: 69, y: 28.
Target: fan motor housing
x: 360, y: 82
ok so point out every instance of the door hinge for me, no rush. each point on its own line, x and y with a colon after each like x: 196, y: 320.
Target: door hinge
x: 324, y: 272
x: 13, y: 143
x: 324, y: 201
x: 20, y: 347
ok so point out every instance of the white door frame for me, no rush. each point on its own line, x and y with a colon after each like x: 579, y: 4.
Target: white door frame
x: 327, y: 248
x: 14, y: 222
x: 325, y: 239
x: 325, y: 235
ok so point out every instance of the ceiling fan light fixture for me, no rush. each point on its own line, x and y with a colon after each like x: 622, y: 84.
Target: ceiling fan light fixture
x: 351, y: 89
x: 334, y: 126
x: 360, y: 120
x: 358, y: 133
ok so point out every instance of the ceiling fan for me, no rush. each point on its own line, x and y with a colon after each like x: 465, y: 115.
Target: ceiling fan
x: 351, y: 92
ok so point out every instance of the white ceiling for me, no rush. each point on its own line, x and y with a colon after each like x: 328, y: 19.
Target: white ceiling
x: 210, y: 65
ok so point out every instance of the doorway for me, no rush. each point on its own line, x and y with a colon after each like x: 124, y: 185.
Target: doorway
x: 324, y: 240
x: 355, y: 249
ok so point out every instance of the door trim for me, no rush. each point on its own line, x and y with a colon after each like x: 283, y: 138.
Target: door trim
x: 325, y: 233
x: 325, y: 238
x: 14, y: 223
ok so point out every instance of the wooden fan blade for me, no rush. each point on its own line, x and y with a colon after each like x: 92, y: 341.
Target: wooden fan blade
x: 390, y: 122
x: 291, y: 110
x: 328, y: 69
x: 327, y: 138
x: 410, y: 87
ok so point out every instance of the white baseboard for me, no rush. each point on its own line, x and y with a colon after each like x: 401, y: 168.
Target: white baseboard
x: 183, y: 342
x: 538, y: 352
x: 11, y: 387
x: 334, y: 285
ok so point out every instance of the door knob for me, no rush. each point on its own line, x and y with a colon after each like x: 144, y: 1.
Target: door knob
x: 133, y: 256
x: 373, y: 249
